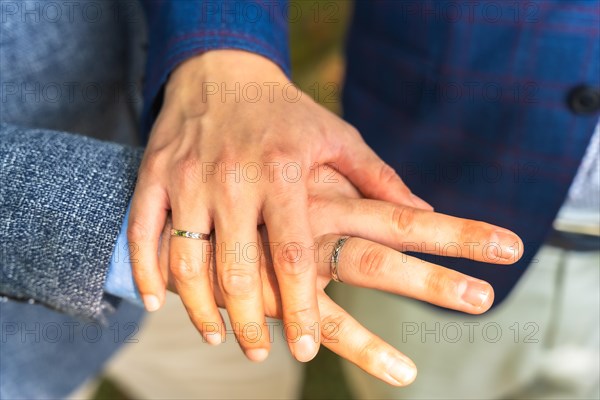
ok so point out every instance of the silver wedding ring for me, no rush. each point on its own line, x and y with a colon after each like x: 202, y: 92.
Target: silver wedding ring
x: 335, y: 257
x: 190, y: 235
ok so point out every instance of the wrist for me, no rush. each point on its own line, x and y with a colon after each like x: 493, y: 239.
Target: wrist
x: 225, y: 66
x: 206, y: 78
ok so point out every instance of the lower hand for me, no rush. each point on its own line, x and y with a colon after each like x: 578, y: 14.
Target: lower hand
x: 370, y: 258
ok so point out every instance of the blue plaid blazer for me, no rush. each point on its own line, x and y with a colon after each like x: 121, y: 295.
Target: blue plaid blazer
x: 484, y: 108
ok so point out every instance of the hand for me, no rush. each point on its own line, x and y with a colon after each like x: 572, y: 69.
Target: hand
x: 337, y: 208
x: 231, y: 161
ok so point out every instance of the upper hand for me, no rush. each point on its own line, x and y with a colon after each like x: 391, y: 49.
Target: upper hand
x: 232, y: 147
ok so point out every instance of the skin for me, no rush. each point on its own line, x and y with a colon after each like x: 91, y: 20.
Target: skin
x: 199, y: 138
x: 370, y: 258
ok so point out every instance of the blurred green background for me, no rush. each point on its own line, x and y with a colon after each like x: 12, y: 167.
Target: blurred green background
x: 317, y: 32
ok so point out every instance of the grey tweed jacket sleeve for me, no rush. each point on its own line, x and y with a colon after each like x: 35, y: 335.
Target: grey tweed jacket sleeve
x: 62, y: 201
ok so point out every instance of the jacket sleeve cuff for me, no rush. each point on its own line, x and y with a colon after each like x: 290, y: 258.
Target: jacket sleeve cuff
x: 63, y: 198
x: 182, y: 29
x: 119, y: 278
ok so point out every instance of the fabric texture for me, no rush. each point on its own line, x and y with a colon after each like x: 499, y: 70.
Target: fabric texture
x: 63, y: 196
x: 182, y: 29
x: 469, y: 103
x: 584, y: 193
x: 47, y: 354
x: 61, y: 216
x: 119, y: 278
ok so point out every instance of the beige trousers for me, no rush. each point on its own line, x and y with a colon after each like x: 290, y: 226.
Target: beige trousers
x: 171, y: 361
x: 542, y: 342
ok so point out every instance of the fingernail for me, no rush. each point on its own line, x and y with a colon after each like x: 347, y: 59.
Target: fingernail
x: 151, y: 302
x: 257, y: 355
x: 420, y: 203
x: 505, y: 245
x: 475, y: 292
x: 401, y: 372
x: 305, y: 349
x: 213, y: 338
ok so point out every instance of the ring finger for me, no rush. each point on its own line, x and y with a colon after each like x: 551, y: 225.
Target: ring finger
x: 189, y: 265
x: 368, y: 264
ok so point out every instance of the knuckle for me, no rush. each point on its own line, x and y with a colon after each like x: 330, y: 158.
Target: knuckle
x: 285, y: 168
x: 231, y: 193
x: 303, y: 315
x: 137, y: 231
x: 277, y: 157
x: 142, y: 274
x: 317, y: 204
x: 370, y: 353
x: 373, y: 261
x: 351, y: 129
x: 292, y: 259
x: 250, y: 333
x: 439, y: 283
x: 153, y: 163
x: 387, y: 174
x: 232, y: 183
x: 402, y: 221
x: 375, y: 356
x: 334, y: 327
x: 185, y: 267
x: 239, y: 281
x: 314, y: 201
x: 201, y: 318
x: 473, y: 231
x: 189, y: 171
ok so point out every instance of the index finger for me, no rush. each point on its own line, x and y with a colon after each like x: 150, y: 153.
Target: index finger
x: 411, y: 229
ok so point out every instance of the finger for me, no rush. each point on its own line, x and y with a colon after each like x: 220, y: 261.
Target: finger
x: 237, y: 257
x: 372, y: 176
x: 286, y: 217
x: 410, y: 229
x: 369, y: 264
x: 146, y: 220
x: 189, y: 265
x: 343, y: 335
